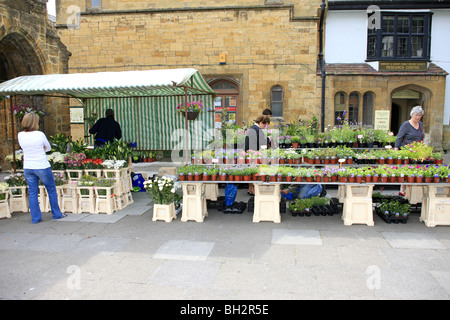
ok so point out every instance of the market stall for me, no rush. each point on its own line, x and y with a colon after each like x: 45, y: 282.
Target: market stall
x: 145, y: 102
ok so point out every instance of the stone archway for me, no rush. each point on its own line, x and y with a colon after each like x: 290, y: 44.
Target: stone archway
x: 404, y: 98
x: 18, y: 57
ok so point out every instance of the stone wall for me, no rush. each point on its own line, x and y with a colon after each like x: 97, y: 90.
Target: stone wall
x: 29, y: 45
x: 267, y: 43
x: 446, y: 138
x: 432, y: 87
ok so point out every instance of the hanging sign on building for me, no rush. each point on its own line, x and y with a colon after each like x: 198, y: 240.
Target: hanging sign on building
x: 382, y: 120
x: 403, y: 66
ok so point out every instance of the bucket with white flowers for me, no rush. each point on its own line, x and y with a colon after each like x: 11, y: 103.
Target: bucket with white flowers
x: 162, y: 191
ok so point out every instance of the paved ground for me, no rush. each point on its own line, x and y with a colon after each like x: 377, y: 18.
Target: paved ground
x: 128, y: 256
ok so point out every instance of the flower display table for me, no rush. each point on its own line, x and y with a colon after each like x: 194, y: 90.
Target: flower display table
x: 414, y: 194
x: 42, y: 198
x: 74, y: 175
x: 267, y: 203
x: 47, y: 206
x: 165, y: 212
x: 4, y: 204
x: 105, y: 201
x: 358, y: 207
x: 435, y: 206
x: 18, y: 201
x: 122, y: 187
x: 69, y: 198
x: 194, y: 202
x: 98, y: 173
x: 86, y: 199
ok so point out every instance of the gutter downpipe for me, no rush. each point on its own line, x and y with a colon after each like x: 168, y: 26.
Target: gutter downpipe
x: 322, y: 62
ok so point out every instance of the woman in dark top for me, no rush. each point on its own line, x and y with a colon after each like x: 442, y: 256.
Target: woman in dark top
x: 255, y: 136
x: 411, y: 130
x: 255, y: 139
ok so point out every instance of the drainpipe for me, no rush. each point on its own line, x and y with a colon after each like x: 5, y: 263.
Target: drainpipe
x: 322, y: 62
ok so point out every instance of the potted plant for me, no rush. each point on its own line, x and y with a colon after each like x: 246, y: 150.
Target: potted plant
x: 4, y: 191
x: 191, y: 109
x: 295, y: 140
x: 342, y: 173
x: 162, y: 192
x: 437, y: 158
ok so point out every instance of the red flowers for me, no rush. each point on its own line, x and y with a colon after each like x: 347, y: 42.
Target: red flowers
x: 92, y: 163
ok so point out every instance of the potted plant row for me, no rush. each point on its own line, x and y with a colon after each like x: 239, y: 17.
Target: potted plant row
x: 314, y: 205
x: 415, y: 153
x: 362, y: 174
x: 393, y: 211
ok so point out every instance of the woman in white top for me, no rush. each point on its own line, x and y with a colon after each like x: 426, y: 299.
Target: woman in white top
x: 36, y: 166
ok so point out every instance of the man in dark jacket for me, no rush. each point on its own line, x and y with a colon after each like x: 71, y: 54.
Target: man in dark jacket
x: 106, y: 129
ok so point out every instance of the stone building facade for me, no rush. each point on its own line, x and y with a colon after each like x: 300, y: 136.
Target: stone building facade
x: 261, y: 54
x: 387, y: 57
x: 269, y: 48
x: 29, y: 45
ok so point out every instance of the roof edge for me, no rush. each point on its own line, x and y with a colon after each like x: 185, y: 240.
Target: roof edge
x: 386, y: 4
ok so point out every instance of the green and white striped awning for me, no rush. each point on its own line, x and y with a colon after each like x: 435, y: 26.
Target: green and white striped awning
x: 144, y: 102
x: 122, y: 84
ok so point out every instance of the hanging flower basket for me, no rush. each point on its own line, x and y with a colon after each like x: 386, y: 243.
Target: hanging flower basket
x: 191, y: 115
x: 193, y: 108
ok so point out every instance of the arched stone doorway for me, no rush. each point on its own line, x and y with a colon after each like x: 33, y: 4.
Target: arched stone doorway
x: 18, y: 57
x: 403, y: 99
x: 226, y: 104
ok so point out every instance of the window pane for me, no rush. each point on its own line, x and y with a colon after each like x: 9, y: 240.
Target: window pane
x: 402, y: 47
x: 277, y: 109
x: 388, y: 46
x: 353, y: 108
x: 371, y: 47
x: 339, y: 102
x: 388, y: 24
x: 417, y: 47
x: 277, y: 96
x: 403, y: 24
x: 277, y: 101
x: 96, y: 3
x: 417, y: 25
x: 338, y: 117
x: 368, y: 108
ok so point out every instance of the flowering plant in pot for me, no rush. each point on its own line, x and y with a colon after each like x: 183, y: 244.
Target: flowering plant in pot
x: 443, y: 171
x: 161, y: 190
x: 342, y: 174
x: 56, y: 160
x: 4, y: 187
x: 393, y: 211
x: 193, y: 108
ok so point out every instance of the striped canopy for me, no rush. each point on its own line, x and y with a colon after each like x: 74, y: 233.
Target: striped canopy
x: 122, y: 84
x: 144, y: 102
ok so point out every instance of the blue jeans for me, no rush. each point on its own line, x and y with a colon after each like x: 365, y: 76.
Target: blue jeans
x: 46, y: 176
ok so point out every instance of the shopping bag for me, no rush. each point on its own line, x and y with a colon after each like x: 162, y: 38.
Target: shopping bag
x: 137, y: 181
x: 230, y: 194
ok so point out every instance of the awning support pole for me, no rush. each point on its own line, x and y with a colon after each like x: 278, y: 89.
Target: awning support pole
x: 13, y: 134
x: 186, y: 126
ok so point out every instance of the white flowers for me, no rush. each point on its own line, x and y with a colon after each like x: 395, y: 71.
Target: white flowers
x: 4, y: 186
x: 56, y: 157
x: 19, y: 154
x: 161, y: 189
x: 114, y: 164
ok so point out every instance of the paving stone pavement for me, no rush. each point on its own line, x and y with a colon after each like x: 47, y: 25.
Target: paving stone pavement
x: 126, y: 255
